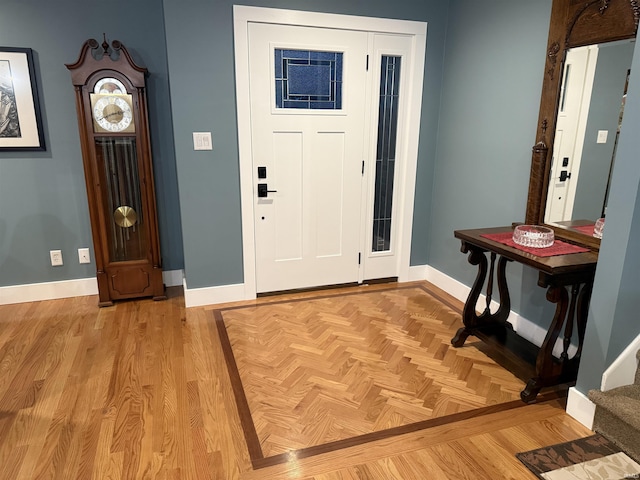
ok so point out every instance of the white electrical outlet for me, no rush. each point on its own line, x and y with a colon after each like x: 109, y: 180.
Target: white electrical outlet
x: 56, y: 257
x: 83, y: 255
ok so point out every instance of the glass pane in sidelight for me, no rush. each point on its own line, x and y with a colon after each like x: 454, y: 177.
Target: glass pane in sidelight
x: 386, y: 152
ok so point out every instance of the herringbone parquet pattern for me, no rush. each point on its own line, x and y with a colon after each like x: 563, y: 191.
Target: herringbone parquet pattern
x: 142, y: 390
x: 327, y: 369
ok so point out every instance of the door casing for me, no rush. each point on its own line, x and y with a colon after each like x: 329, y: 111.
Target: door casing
x: 243, y: 15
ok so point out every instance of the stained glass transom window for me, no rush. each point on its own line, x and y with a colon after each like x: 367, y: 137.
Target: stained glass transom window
x: 308, y: 79
x: 386, y: 152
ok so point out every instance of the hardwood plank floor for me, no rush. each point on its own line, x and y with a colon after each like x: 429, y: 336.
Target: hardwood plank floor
x: 141, y: 390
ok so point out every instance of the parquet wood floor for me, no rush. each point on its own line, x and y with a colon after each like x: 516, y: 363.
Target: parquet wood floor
x: 343, y: 366
x: 141, y: 390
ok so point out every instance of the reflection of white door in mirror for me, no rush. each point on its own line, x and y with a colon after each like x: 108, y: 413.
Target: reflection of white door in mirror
x: 592, y: 92
x: 575, y: 98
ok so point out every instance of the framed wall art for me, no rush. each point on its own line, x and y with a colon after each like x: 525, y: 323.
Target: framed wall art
x: 20, y: 119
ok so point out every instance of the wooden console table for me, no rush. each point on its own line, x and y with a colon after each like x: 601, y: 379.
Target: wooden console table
x: 568, y: 279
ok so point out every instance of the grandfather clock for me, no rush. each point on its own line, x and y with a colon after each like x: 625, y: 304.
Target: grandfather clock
x: 114, y: 134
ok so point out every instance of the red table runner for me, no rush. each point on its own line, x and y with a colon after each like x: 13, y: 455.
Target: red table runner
x: 588, y: 229
x: 558, y: 247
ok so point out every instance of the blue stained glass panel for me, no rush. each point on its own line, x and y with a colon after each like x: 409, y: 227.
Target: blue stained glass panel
x: 338, y: 67
x: 308, y: 79
x: 323, y: 55
x: 386, y: 152
x: 303, y: 54
x: 278, y: 63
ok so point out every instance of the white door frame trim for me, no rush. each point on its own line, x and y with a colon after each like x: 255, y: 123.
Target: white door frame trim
x: 242, y: 16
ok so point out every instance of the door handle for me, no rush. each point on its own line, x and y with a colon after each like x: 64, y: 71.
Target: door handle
x: 564, y: 175
x: 263, y: 190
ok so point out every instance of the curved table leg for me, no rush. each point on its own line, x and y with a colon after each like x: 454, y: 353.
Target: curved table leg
x: 545, y: 361
x: 472, y: 321
x: 584, y: 297
x: 469, y: 316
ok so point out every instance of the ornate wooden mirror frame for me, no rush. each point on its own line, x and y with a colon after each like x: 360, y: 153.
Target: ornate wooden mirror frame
x: 574, y: 23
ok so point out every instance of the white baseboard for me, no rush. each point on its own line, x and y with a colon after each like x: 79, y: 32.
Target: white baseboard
x: 197, y: 297
x: 521, y: 325
x: 417, y: 273
x: 580, y: 407
x: 623, y: 369
x: 173, y: 278
x: 620, y: 372
x: 35, y: 292
x: 230, y: 293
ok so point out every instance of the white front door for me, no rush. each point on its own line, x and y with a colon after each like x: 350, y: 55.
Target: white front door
x: 337, y: 179
x: 308, y: 91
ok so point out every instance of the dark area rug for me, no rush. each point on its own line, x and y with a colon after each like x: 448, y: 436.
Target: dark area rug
x: 579, y: 458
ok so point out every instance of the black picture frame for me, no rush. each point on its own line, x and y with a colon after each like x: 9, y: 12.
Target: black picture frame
x: 20, y: 117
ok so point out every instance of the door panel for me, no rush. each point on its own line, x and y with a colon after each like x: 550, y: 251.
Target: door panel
x: 307, y: 230
x: 287, y: 215
x: 328, y: 193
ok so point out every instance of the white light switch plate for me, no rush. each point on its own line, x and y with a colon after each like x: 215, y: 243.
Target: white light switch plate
x: 602, y: 136
x: 202, y: 141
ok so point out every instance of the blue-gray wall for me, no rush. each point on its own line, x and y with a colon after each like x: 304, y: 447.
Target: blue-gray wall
x: 483, y: 77
x: 43, y: 201
x: 493, y: 70
x: 201, y: 68
x: 614, y: 60
x: 613, y: 313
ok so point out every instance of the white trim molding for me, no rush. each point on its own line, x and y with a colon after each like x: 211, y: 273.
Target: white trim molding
x: 35, y: 292
x: 621, y: 372
x: 580, y: 407
x: 623, y: 369
x: 521, y: 325
x: 242, y: 17
x: 173, y: 278
x: 524, y: 327
x: 198, y: 297
x: 416, y: 273
x: 80, y: 287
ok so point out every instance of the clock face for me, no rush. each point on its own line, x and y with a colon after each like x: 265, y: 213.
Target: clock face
x: 112, y: 113
x: 109, y: 85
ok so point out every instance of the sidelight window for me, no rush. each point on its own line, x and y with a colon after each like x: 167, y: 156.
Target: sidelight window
x: 386, y: 152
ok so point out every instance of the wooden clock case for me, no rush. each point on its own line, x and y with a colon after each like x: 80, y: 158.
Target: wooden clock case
x: 119, y: 178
